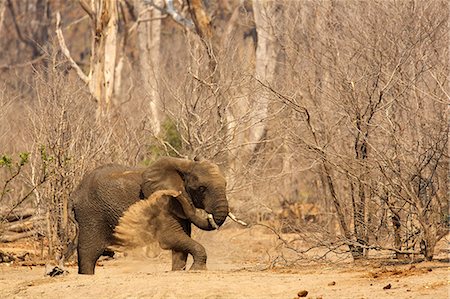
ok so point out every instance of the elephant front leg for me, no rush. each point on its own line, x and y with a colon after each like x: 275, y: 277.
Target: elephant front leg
x: 179, y: 259
x: 199, y: 254
x: 175, y: 238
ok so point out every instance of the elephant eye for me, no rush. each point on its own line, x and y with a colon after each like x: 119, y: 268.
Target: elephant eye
x: 202, y: 189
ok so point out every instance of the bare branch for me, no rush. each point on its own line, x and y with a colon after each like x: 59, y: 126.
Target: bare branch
x: 22, y: 65
x: 25, y: 40
x: 66, y: 51
x: 201, y: 20
x: 171, y: 11
x: 87, y: 9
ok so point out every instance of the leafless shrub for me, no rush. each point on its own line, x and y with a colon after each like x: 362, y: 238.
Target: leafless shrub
x: 368, y: 106
x: 68, y: 141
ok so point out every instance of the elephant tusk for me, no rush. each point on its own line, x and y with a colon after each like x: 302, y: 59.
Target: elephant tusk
x: 212, y: 221
x: 231, y: 215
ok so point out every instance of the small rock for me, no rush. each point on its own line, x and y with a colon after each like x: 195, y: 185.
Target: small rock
x: 412, y: 267
x: 429, y: 269
x: 333, y: 283
x: 387, y: 287
x: 302, y: 293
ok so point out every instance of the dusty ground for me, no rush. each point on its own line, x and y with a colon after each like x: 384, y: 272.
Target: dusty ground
x: 237, y: 262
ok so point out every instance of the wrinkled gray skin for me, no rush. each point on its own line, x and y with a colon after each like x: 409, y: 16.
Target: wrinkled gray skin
x: 105, y: 193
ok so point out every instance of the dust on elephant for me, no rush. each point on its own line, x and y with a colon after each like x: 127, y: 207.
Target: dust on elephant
x: 148, y: 221
x: 108, y: 191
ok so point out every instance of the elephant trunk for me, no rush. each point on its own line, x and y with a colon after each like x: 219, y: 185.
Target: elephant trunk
x: 198, y: 217
x: 201, y: 217
x: 217, y: 205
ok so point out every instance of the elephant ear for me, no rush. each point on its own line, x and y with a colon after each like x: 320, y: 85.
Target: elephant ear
x: 137, y: 228
x: 166, y: 173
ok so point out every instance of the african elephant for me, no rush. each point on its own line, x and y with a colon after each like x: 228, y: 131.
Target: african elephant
x: 108, y: 191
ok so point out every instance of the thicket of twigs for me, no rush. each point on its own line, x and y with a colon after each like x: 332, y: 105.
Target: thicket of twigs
x: 328, y: 117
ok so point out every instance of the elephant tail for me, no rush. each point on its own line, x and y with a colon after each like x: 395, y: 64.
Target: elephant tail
x: 73, y: 243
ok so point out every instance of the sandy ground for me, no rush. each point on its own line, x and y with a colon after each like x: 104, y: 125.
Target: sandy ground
x: 238, y: 263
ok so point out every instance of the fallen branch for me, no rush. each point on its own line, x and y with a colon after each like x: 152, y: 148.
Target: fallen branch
x: 8, y: 257
x: 12, y: 237
x: 16, y: 214
x: 22, y: 225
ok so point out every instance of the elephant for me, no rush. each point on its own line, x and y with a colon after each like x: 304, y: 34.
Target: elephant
x: 104, y: 194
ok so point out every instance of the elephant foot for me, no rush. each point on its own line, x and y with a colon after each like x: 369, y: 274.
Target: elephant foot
x: 198, y: 267
x: 85, y: 267
x: 89, y: 270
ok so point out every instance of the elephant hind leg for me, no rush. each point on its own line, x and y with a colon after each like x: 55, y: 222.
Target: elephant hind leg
x: 87, y: 258
x: 89, y: 251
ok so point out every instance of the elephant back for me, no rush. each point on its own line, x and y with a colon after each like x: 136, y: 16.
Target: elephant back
x: 107, y: 192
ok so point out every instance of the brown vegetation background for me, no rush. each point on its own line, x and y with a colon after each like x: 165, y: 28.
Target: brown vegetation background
x: 329, y: 118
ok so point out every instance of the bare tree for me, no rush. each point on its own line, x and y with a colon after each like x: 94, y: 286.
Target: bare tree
x: 107, y: 54
x: 68, y: 140
x: 149, y: 39
x: 266, y: 13
x: 352, y: 76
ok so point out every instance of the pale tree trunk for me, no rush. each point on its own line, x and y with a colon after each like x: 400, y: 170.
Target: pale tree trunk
x: 106, y: 61
x: 2, y: 13
x: 265, y: 13
x: 149, y: 39
x: 111, y: 31
x: 104, y: 54
x: 255, y: 110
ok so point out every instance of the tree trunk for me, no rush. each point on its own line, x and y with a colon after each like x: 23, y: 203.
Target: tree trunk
x: 40, y: 31
x: 266, y: 14
x: 104, y: 54
x: 149, y: 39
x: 396, y: 224
x: 359, y: 203
x: 2, y: 13
x: 105, y: 59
